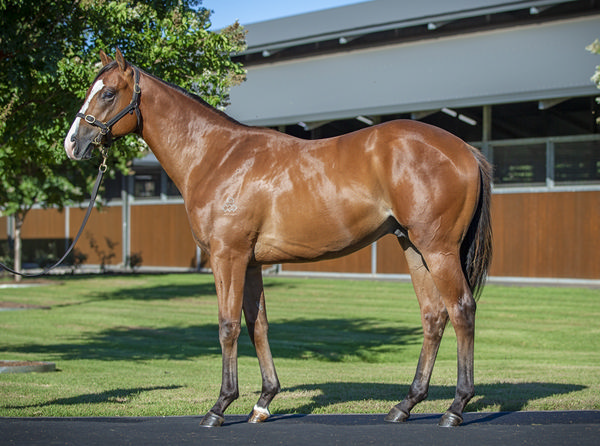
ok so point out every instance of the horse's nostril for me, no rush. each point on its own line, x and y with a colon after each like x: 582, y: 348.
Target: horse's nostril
x: 73, y: 138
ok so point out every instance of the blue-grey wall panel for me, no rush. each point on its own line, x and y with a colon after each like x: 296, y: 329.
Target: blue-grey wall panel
x: 505, y: 65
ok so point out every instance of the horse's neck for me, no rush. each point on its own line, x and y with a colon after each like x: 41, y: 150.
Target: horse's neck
x: 179, y: 129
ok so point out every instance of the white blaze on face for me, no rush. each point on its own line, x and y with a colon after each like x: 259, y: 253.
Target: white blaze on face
x: 69, y: 144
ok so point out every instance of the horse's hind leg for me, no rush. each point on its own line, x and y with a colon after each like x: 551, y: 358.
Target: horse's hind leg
x: 458, y: 299
x: 434, y: 318
x: 256, y: 321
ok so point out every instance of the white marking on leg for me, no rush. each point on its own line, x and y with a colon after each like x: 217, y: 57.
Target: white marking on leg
x: 262, y: 410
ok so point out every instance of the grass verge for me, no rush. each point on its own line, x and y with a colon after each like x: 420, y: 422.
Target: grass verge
x: 147, y: 345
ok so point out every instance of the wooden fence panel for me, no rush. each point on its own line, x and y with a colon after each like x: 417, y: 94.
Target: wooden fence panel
x: 547, y: 235
x: 554, y: 234
x: 44, y: 224
x: 3, y: 228
x: 358, y: 262
x: 390, y: 256
x: 104, y: 229
x: 161, y: 235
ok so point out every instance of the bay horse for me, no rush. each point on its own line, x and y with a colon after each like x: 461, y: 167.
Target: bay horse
x: 256, y: 196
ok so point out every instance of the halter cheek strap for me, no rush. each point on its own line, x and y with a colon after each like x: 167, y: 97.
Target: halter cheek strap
x: 106, y: 127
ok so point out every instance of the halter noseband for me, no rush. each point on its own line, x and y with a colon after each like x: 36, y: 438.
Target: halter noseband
x: 106, y: 127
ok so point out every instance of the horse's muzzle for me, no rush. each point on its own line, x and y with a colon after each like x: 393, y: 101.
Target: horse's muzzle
x: 79, y: 149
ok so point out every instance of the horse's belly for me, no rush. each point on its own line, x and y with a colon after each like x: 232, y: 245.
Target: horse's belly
x: 323, y: 239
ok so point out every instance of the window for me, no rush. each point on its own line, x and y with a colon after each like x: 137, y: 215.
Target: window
x: 543, y: 143
x: 577, y: 162
x: 520, y: 165
x: 545, y: 118
x: 146, y: 183
x: 112, y: 187
x: 172, y: 190
x: 466, y: 123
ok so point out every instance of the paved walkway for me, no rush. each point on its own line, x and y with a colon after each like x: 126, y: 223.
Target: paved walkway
x: 505, y: 428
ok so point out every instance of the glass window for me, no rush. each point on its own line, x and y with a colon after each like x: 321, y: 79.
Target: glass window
x: 520, y: 165
x: 146, y: 183
x: 577, y: 162
x: 535, y: 119
x: 466, y: 123
x: 172, y: 190
x: 112, y: 187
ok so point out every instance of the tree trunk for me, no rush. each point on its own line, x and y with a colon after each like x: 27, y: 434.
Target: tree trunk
x: 19, y: 217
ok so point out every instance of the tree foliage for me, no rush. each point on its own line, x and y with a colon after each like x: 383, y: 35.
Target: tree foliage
x: 594, y: 48
x: 48, y: 58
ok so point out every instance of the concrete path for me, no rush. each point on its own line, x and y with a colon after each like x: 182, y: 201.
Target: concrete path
x: 505, y: 428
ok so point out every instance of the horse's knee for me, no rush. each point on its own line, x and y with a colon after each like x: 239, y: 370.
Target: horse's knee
x: 229, y: 331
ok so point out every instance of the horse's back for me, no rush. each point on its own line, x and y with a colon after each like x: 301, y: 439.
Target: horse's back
x: 329, y: 197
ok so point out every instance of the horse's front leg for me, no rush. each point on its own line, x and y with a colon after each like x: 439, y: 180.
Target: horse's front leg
x: 256, y: 320
x: 229, y: 280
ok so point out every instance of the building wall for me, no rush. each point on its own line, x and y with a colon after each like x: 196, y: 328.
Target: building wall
x: 544, y: 235
x: 102, y: 236
x: 161, y: 235
x: 548, y: 235
x: 458, y: 71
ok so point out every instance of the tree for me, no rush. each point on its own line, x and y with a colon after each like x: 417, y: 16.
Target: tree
x: 594, y: 48
x: 49, y: 57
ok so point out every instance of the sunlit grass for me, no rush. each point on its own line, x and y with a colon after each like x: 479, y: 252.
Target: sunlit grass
x: 148, y: 345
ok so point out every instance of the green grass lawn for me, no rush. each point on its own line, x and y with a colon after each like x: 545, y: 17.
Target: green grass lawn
x: 148, y: 345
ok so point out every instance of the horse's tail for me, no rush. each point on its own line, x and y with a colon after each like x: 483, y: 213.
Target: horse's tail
x: 476, y: 252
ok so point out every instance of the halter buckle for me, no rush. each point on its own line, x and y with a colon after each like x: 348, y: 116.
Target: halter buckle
x: 104, y: 152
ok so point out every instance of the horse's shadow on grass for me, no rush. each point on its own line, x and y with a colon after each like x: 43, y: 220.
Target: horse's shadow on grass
x: 118, y: 396
x: 334, y: 340
x: 161, y: 292
x: 495, y: 397
x: 330, y: 340
x: 202, y: 289
x: 498, y: 397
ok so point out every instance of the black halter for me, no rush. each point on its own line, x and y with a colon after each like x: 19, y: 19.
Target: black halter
x: 105, y: 130
x: 106, y: 127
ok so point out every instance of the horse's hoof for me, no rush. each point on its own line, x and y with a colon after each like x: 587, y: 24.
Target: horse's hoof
x: 259, y: 415
x: 396, y: 416
x: 450, y: 419
x: 211, y: 419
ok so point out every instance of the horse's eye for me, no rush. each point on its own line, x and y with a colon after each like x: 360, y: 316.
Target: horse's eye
x: 108, y: 95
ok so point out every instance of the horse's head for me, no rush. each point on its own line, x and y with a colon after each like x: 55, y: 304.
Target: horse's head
x: 108, y: 109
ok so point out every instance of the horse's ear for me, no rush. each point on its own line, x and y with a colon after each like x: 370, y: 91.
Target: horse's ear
x: 121, y: 60
x: 105, y: 58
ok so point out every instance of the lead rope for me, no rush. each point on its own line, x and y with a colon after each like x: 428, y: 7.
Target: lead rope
x: 101, y: 170
x: 105, y: 130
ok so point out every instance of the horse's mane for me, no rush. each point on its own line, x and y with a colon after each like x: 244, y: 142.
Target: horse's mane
x: 189, y: 94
